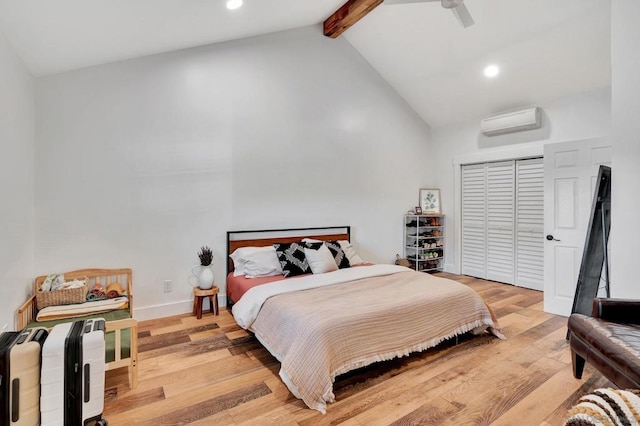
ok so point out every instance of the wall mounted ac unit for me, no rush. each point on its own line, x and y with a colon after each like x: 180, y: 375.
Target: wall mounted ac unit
x: 510, y: 122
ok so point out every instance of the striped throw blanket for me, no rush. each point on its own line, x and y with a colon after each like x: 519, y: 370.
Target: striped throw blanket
x: 320, y: 333
x: 606, y: 407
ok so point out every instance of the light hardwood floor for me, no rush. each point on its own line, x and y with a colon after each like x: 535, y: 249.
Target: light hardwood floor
x: 209, y: 372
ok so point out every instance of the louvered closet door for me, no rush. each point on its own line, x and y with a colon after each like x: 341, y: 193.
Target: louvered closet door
x: 500, y: 221
x: 474, y: 220
x: 529, y: 223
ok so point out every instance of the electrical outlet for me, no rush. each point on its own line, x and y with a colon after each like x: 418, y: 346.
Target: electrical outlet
x: 167, y: 286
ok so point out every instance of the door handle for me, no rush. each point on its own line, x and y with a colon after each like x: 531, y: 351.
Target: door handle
x: 550, y: 238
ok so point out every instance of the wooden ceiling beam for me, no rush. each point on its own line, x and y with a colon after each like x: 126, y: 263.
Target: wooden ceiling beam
x: 348, y: 14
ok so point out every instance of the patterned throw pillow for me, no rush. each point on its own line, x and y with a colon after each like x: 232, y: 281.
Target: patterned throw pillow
x: 292, y: 259
x: 338, y: 254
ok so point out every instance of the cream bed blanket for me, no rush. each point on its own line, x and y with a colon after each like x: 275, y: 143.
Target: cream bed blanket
x: 246, y: 310
x: 81, y: 309
x: 324, y: 331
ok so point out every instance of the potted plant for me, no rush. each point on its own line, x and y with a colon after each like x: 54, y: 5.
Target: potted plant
x: 206, y: 256
x: 203, y: 271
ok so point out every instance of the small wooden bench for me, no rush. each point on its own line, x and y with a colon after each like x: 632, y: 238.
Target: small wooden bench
x: 121, y: 328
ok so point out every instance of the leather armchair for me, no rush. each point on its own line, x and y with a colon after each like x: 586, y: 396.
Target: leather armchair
x: 609, y: 341
x: 624, y: 311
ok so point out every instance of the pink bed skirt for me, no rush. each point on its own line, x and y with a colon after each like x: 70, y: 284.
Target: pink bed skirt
x: 238, y: 286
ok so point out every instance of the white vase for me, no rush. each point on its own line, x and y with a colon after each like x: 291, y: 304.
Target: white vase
x: 204, y: 274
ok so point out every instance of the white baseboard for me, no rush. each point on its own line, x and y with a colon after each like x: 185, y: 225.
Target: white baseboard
x: 170, y: 309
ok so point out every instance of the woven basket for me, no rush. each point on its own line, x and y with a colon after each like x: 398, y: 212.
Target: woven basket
x: 61, y: 297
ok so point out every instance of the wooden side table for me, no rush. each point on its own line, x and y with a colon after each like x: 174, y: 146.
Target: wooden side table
x: 199, y: 296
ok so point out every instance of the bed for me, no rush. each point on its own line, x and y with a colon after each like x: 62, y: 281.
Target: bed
x: 321, y: 325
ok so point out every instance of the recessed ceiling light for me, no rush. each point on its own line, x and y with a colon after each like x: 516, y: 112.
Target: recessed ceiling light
x: 234, y: 4
x: 491, y: 71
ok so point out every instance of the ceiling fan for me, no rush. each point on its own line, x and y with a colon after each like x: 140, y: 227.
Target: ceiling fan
x: 456, y: 6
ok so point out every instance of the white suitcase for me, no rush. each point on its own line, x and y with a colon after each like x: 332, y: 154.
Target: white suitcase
x: 72, y: 380
x: 20, y: 376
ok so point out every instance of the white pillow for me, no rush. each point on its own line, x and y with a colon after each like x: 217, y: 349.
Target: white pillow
x: 348, y: 249
x: 350, y: 252
x: 262, y: 264
x: 256, y: 262
x: 321, y: 260
x: 239, y: 257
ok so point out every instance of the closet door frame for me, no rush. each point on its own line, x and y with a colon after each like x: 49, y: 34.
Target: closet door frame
x: 455, y: 260
x: 506, y: 245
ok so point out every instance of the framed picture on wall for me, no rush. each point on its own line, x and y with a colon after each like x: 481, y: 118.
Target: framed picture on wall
x: 430, y: 200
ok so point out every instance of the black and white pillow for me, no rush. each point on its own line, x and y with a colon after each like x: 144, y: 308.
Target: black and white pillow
x: 338, y: 254
x: 292, y: 259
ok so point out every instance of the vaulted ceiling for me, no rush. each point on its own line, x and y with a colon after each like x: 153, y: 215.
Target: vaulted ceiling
x: 545, y: 48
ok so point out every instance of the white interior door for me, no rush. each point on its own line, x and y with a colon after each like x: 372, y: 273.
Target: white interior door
x: 500, y: 221
x: 474, y: 239
x: 570, y: 171
x: 529, y: 257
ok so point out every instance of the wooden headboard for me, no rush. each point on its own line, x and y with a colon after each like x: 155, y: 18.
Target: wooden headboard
x: 267, y: 237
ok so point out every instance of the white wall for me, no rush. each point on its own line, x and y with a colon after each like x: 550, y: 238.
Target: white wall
x: 582, y: 116
x: 139, y: 163
x: 625, y: 162
x: 17, y: 105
